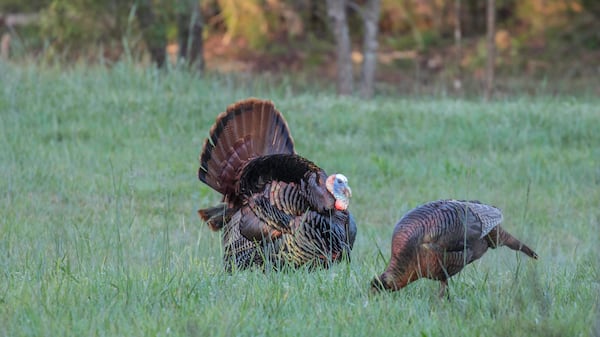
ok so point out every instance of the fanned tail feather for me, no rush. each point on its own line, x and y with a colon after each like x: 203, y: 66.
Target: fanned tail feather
x: 247, y: 129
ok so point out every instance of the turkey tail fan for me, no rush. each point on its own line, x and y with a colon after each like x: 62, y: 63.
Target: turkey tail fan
x: 247, y: 129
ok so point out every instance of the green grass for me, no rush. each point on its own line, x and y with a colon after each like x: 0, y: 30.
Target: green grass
x: 99, y: 234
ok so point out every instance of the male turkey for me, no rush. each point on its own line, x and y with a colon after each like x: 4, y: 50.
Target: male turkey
x: 438, y: 239
x: 278, y: 208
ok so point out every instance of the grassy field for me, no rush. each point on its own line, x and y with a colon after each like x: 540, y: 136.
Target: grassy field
x: 99, y: 234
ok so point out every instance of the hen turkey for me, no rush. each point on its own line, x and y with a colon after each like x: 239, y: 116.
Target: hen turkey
x: 278, y: 208
x: 438, y: 239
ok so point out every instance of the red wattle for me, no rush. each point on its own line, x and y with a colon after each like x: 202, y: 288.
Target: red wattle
x: 340, y: 205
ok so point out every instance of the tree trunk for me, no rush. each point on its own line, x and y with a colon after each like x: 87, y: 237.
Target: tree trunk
x: 457, y: 45
x: 191, y: 44
x: 152, y: 31
x: 371, y: 21
x: 491, y: 49
x: 336, y: 9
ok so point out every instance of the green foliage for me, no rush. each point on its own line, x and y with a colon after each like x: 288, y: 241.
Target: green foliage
x: 66, y: 21
x: 538, y: 34
x: 77, y: 28
x: 246, y: 19
x: 99, y: 233
x: 258, y: 22
x: 20, y: 6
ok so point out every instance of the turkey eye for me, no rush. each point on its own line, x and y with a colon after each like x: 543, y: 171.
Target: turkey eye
x: 338, y: 180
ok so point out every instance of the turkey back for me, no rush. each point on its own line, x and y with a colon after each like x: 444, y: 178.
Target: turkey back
x: 246, y: 130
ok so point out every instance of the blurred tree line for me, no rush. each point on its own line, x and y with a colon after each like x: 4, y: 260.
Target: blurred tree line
x: 433, y: 36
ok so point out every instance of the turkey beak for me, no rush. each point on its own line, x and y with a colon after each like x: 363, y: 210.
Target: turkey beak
x: 348, y: 192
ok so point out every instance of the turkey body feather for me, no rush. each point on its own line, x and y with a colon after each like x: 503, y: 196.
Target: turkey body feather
x: 278, y: 208
x: 438, y: 239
